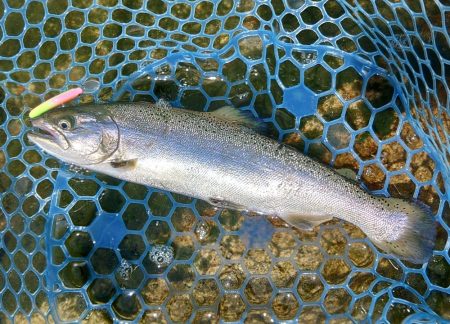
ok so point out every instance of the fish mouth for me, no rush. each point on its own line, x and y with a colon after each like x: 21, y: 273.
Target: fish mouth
x: 46, y: 136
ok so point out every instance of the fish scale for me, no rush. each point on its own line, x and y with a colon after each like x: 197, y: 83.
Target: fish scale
x: 219, y: 157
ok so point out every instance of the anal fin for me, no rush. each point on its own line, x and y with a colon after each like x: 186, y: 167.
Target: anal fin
x: 221, y: 203
x: 307, y: 222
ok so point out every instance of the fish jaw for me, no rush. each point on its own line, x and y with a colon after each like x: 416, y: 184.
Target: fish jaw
x: 48, y: 138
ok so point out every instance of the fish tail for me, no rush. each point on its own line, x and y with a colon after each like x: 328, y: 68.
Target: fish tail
x: 416, y: 231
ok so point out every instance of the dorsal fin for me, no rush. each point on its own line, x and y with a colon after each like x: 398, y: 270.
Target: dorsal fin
x: 240, y: 117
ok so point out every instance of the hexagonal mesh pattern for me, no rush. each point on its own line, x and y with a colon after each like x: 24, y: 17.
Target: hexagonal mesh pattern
x: 358, y: 84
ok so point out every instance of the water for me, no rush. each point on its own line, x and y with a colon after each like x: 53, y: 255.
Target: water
x: 91, y: 85
x: 161, y: 255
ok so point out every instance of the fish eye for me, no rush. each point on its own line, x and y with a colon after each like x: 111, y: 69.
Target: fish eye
x: 64, y: 124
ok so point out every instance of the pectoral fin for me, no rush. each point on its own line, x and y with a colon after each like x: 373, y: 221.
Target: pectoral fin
x: 125, y: 164
x: 307, y: 222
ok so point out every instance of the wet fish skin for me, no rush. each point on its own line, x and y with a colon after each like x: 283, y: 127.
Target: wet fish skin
x: 225, y: 162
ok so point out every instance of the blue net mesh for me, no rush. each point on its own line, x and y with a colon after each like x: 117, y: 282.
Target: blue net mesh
x: 357, y: 84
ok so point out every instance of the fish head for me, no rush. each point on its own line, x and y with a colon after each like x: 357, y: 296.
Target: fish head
x: 79, y: 135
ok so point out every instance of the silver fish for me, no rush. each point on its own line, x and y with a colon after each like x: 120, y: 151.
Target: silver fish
x: 219, y: 157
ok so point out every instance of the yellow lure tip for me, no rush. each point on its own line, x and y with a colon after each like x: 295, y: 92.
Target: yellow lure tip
x: 55, y: 102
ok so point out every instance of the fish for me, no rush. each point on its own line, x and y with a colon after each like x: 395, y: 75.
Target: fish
x: 222, y: 157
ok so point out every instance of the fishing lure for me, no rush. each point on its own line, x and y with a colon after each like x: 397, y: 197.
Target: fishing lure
x: 55, y: 102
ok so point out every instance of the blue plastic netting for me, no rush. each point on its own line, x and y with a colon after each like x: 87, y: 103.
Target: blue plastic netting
x: 358, y: 84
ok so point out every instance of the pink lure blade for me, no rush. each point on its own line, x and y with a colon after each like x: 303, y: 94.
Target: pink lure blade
x: 55, y: 102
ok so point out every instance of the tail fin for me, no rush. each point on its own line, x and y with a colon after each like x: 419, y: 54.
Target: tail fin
x: 417, y: 232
